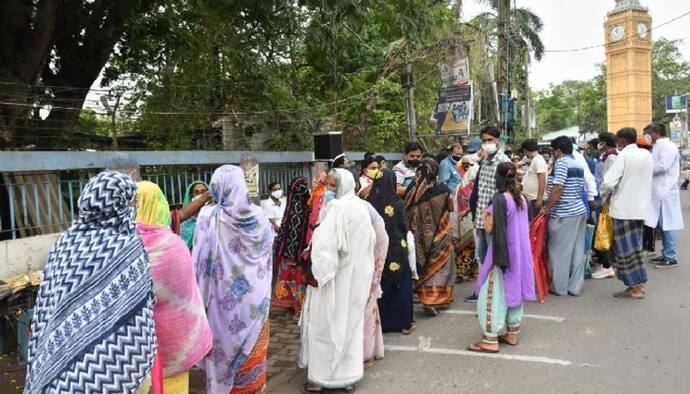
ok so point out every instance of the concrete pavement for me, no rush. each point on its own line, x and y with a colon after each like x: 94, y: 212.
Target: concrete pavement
x: 590, y: 344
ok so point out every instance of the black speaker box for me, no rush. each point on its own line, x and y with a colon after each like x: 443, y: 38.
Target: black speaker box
x: 328, y: 145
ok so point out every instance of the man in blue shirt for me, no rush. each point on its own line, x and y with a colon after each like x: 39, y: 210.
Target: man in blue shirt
x: 567, y: 218
x: 448, y: 171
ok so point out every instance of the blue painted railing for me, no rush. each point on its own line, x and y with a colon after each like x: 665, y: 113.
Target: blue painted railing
x: 42, y: 188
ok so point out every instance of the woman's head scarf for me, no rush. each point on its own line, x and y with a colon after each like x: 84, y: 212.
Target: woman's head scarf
x: 188, y: 226
x: 384, y: 198
x: 232, y: 256
x: 93, y: 321
x: 291, y: 239
x: 427, y: 174
x: 183, y: 333
x: 152, y: 206
x: 188, y: 193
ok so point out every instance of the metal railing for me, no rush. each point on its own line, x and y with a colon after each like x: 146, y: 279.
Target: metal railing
x: 39, y: 194
x: 38, y: 206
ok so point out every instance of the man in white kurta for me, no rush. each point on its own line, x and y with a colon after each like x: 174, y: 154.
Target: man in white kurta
x: 332, y: 316
x: 666, y: 210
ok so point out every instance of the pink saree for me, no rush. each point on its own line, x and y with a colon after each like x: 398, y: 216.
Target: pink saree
x: 183, y: 332
x: 373, y: 335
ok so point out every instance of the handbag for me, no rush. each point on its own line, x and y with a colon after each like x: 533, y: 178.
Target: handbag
x: 603, y: 239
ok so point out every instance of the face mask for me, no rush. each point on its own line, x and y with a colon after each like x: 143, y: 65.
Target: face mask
x: 277, y: 194
x: 489, y: 148
x: 414, y: 163
x: 197, y: 197
x: 329, y: 195
x: 373, y: 174
x: 456, y: 157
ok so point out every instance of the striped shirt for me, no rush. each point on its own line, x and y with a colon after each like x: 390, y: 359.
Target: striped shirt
x: 568, y: 173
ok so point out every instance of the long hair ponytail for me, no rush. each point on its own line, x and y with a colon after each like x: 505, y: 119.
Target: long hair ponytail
x: 506, y: 181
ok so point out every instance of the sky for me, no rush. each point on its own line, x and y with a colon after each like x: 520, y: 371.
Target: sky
x: 576, y: 24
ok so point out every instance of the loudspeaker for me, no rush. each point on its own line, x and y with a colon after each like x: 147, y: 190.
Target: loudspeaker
x: 328, y: 145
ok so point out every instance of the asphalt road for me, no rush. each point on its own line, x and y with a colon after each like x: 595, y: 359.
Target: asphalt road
x: 591, y: 344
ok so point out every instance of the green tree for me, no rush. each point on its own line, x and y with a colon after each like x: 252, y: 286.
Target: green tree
x: 670, y: 75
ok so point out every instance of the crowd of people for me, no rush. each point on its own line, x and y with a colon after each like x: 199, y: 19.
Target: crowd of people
x: 135, y: 293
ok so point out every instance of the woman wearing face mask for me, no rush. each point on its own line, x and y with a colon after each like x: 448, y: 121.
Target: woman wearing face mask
x: 195, y: 191
x: 370, y: 172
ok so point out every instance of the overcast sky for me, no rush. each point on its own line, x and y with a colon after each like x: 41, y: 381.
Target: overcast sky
x: 575, y: 24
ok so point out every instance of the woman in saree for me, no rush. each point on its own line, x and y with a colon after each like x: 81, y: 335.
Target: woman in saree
x: 93, y: 325
x: 373, y: 334
x: 232, y: 257
x: 395, y: 304
x: 506, y: 279
x: 465, y: 262
x: 184, y: 336
x: 429, y: 206
x: 290, y: 243
x: 195, y: 191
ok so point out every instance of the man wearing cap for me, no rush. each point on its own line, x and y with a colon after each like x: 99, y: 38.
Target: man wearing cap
x: 534, y: 181
x: 666, y: 210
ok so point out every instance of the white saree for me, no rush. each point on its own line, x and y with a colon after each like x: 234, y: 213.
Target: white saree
x: 332, y: 321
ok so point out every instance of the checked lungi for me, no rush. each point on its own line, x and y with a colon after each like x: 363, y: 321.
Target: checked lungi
x: 628, y: 248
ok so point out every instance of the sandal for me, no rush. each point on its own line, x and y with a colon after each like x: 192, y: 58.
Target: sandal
x: 311, y: 389
x: 409, y: 330
x: 478, y: 347
x: 368, y: 363
x: 430, y: 310
x: 350, y: 388
x: 627, y: 293
x: 503, y: 339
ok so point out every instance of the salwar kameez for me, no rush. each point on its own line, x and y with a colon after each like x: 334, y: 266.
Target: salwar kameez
x: 494, y: 315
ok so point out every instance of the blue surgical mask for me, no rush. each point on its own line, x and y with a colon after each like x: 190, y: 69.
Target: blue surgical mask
x: 329, y: 195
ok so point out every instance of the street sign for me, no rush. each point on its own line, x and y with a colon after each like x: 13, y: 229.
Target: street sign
x: 676, y: 103
x: 676, y: 127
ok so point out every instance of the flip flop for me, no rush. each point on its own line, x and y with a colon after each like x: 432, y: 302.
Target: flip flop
x: 431, y: 311
x: 350, y: 389
x: 306, y: 389
x: 478, y: 348
x: 368, y: 363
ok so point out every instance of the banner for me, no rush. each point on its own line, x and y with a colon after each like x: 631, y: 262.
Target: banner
x: 250, y: 166
x: 453, y: 113
x: 455, y: 72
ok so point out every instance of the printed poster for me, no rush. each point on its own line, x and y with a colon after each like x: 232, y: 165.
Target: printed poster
x: 453, y: 112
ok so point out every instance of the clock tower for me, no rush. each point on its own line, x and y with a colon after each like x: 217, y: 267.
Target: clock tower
x: 628, y: 66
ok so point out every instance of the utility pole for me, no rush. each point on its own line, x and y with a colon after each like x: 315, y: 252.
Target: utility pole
x: 408, y: 84
x: 501, y: 80
x: 527, y: 98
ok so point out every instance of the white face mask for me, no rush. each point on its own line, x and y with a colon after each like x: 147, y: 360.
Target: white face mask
x: 277, y: 194
x: 489, y: 148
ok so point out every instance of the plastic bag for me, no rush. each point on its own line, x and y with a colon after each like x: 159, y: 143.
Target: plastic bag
x: 603, y: 239
x: 412, y: 255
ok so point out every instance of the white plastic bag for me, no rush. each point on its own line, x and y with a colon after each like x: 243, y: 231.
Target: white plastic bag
x: 412, y: 255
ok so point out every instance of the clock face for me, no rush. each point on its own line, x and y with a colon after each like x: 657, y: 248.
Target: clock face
x: 642, y: 30
x: 617, y: 33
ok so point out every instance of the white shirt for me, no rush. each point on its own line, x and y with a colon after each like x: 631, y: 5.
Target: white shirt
x: 273, y: 210
x: 530, y: 182
x: 590, y: 181
x: 629, y: 181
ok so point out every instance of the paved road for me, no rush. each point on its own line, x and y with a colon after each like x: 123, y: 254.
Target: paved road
x: 591, y: 344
